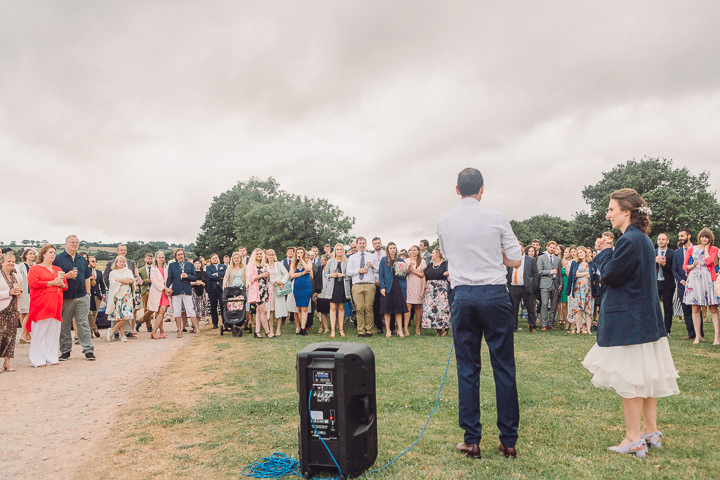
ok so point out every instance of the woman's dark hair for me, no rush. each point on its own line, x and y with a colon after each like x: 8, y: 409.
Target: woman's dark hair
x: 630, y: 200
x: 28, y: 250
x: 707, y: 233
x: 527, y: 249
x: 469, y: 182
x: 388, y: 261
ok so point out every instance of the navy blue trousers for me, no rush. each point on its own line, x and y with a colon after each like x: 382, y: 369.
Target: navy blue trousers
x: 476, y: 311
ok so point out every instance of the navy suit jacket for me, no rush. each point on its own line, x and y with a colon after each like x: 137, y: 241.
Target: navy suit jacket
x: 179, y: 285
x: 677, y: 264
x: 215, y: 277
x: 669, y: 264
x: 630, y: 310
x: 386, y: 279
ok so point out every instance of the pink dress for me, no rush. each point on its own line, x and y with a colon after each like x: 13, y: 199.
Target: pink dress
x: 164, y: 300
x: 414, y: 284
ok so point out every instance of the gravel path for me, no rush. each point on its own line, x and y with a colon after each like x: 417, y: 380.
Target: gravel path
x: 53, y: 417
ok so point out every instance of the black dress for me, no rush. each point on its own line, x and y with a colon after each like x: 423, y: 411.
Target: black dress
x: 393, y: 301
x: 338, y: 295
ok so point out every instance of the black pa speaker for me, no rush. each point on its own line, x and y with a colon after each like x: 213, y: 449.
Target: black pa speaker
x: 338, y: 378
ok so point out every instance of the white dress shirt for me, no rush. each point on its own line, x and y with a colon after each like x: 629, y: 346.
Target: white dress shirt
x: 472, y: 238
x: 520, y: 273
x: 353, y: 265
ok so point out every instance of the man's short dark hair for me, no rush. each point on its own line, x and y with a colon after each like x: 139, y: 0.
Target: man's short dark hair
x: 686, y: 230
x: 376, y: 238
x: 469, y: 182
x: 535, y: 240
x: 424, y: 243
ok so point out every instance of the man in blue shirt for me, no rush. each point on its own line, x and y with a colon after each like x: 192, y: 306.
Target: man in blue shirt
x: 76, y: 299
x: 477, y: 242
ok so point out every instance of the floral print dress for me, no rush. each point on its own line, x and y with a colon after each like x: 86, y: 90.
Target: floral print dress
x: 699, y: 289
x: 582, y: 299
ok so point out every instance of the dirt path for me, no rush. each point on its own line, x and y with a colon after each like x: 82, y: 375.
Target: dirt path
x: 52, y: 418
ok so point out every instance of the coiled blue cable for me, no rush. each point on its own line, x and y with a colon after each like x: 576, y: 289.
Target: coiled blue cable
x: 280, y: 465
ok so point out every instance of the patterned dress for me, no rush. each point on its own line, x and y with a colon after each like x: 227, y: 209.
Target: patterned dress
x: 700, y: 289
x: 123, y: 306
x: 582, y: 299
x: 414, y: 284
x: 9, y: 319
x: 436, y: 307
x: 263, y: 285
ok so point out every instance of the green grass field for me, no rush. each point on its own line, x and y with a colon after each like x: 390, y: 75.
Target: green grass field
x: 247, y: 408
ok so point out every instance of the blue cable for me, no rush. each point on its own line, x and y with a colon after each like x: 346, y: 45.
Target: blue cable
x: 280, y: 465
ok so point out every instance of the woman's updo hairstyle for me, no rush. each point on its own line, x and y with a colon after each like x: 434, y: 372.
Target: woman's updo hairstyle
x: 630, y: 200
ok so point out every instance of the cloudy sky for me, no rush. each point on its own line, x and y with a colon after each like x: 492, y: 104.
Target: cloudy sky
x: 120, y: 120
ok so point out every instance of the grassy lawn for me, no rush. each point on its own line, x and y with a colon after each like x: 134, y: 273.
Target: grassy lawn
x: 227, y: 402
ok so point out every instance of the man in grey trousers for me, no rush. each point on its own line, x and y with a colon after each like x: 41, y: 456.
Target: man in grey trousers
x: 548, y: 265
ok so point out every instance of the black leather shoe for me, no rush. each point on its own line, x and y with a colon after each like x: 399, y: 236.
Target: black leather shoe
x: 214, y: 327
x: 90, y: 356
x: 509, y: 452
x: 64, y: 356
x: 131, y: 335
x: 137, y: 326
x: 472, y: 450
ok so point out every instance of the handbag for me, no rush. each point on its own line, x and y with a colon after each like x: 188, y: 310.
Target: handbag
x: 285, y: 289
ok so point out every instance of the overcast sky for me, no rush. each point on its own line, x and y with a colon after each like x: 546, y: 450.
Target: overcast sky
x: 120, y: 120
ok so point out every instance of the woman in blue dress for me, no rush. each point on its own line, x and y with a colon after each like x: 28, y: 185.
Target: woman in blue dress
x: 301, y: 273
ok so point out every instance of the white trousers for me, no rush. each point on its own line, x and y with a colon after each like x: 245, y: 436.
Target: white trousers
x: 44, y: 342
x: 177, y: 303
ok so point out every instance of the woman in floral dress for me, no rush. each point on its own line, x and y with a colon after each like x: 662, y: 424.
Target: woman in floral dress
x: 700, y: 288
x: 416, y: 266
x: 436, y: 307
x: 120, y: 297
x: 580, y: 292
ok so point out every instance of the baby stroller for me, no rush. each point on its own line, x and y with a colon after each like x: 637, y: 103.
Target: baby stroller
x: 233, y: 301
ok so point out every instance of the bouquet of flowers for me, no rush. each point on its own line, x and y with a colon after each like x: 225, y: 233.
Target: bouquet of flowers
x: 401, y: 269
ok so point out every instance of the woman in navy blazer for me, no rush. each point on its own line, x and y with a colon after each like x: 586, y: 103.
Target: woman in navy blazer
x: 393, y: 291
x: 180, y: 274
x: 632, y: 354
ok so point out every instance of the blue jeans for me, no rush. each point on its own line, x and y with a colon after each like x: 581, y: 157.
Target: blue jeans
x: 476, y: 311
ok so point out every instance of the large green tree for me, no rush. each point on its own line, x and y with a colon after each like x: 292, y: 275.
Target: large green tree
x: 257, y: 213
x: 544, y: 228
x: 677, y: 198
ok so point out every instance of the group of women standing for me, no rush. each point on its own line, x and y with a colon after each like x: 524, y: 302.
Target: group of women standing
x: 581, y: 288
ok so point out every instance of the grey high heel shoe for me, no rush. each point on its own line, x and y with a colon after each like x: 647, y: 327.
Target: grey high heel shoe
x: 639, y: 448
x: 653, y: 440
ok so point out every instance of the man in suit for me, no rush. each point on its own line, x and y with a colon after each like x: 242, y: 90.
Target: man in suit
x: 144, y: 272
x: 550, y: 283
x: 680, y: 275
x: 665, y: 279
x: 180, y: 274
x: 122, y: 250
x: 427, y: 256
x: 215, y: 273
x: 97, y: 294
x: 521, y: 284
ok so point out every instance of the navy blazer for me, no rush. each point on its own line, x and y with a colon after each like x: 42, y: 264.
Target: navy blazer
x: 594, y: 284
x: 215, y: 277
x: 677, y: 264
x: 669, y: 264
x: 630, y: 310
x: 386, y: 279
x: 180, y: 286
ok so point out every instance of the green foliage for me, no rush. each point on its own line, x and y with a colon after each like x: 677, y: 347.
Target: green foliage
x: 544, y: 228
x: 677, y: 198
x: 137, y: 250
x: 258, y: 213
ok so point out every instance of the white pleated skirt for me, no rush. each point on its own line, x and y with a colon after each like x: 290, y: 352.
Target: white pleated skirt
x: 645, y: 370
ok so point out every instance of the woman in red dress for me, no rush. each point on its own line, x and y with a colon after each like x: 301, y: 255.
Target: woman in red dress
x: 46, y: 282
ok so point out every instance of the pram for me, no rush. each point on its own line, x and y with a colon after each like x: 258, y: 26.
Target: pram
x: 233, y: 301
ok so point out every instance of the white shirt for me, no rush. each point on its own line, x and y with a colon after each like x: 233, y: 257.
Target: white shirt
x: 661, y: 274
x: 472, y: 238
x: 353, y: 265
x: 520, y: 273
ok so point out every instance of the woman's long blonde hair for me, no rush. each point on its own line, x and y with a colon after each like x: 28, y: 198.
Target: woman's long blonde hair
x: 230, y: 272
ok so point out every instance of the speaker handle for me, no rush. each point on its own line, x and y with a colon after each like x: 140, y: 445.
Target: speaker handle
x: 367, y: 415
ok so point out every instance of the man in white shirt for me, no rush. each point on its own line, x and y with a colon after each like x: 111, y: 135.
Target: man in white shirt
x: 363, y: 271
x: 477, y: 242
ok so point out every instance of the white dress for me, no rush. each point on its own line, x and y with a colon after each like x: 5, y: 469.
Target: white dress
x: 641, y: 370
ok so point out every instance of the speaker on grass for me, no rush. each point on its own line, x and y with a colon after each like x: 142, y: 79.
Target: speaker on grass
x: 339, y: 380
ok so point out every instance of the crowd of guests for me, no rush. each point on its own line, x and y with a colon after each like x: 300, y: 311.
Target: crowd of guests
x: 384, y: 289
x: 563, y: 286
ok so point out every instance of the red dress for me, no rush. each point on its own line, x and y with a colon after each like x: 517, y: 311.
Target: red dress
x: 45, y: 302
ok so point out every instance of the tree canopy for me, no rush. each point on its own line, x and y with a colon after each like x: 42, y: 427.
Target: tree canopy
x: 544, y: 228
x: 677, y: 198
x: 257, y: 213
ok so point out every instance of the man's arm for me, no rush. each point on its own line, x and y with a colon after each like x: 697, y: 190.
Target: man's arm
x: 510, y: 263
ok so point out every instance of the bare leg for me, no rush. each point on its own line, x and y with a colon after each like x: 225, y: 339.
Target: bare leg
x: 303, y: 317
x: 341, y: 318
x: 25, y: 335
x: 649, y: 415
x: 696, y: 322
x: 195, y: 324
x: 716, y: 323
x: 388, y: 333
x: 418, y: 319
x: 333, y: 319
x: 159, y: 317
x: 324, y: 322
x: 403, y: 327
x: 588, y: 323
x: 279, y: 324
x: 399, y: 324
x: 179, y: 323
x: 633, y: 410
